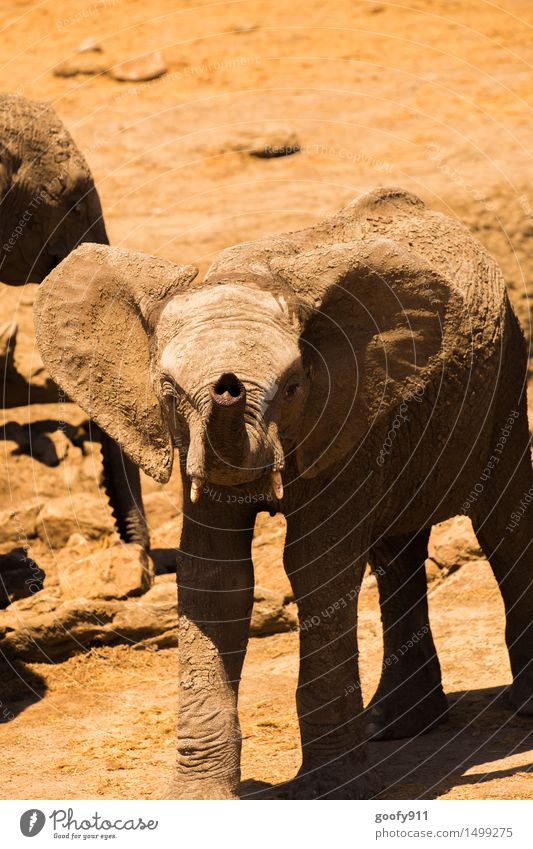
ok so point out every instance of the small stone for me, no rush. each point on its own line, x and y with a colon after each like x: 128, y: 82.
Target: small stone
x: 143, y: 68
x: 121, y: 571
x: 275, y: 144
x: 88, y: 63
x: 89, y: 45
x: 243, y: 29
x: 270, y: 142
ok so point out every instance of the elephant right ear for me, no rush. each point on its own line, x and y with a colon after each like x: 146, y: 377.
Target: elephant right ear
x: 93, y: 321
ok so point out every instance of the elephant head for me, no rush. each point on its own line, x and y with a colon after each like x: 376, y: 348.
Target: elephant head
x: 284, y: 350
x: 48, y: 200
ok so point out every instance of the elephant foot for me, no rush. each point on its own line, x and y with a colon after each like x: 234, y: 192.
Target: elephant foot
x: 331, y: 782
x: 391, y: 717
x: 202, y: 789
x: 521, y: 696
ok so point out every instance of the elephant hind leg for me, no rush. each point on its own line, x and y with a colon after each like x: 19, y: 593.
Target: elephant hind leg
x: 122, y: 483
x: 503, y: 522
x: 409, y: 699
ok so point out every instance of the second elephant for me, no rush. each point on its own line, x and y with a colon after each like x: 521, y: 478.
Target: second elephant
x: 48, y: 206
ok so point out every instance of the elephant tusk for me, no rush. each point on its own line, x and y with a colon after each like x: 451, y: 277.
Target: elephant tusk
x: 277, y: 484
x: 196, y: 489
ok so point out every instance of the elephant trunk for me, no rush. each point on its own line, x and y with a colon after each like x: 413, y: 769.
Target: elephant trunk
x: 227, y: 438
x: 226, y: 450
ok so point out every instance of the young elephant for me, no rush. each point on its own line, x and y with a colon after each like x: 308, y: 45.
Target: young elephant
x: 363, y: 376
x: 48, y: 206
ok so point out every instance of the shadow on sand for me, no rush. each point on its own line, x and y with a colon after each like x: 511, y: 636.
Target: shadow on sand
x: 482, y: 729
x: 20, y: 687
x: 36, y: 439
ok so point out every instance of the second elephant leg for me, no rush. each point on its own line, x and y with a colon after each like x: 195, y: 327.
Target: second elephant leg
x: 409, y: 699
x: 122, y: 482
x: 503, y: 522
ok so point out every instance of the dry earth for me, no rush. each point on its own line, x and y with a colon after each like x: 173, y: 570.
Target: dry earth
x: 432, y: 95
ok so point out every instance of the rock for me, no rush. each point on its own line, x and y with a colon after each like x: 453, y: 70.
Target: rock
x: 143, y: 68
x: 89, y: 45
x: 77, y: 513
x: 267, y: 552
x: 18, y: 526
x: 453, y: 543
x: 48, y: 627
x: 272, y: 142
x: 433, y: 572
x: 85, y: 63
x: 20, y: 576
x: 168, y: 534
x: 243, y: 29
x: 271, y: 614
x: 111, y: 573
x: 53, y: 633
x: 161, y: 507
x: 153, y: 620
x: 275, y: 143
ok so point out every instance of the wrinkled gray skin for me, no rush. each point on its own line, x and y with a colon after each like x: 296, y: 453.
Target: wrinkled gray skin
x: 375, y: 363
x: 48, y: 206
x: 48, y: 200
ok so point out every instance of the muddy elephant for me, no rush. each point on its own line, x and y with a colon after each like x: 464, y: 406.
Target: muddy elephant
x: 362, y: 376
x: 48, y: 206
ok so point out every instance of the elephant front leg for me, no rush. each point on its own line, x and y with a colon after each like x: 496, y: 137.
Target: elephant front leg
x: 215, y: 597
x: 329, y: 703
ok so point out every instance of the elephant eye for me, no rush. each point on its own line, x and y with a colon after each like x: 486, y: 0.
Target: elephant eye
x: 291, y: 390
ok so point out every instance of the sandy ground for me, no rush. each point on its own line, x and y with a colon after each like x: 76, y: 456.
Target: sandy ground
x: 431, y: 95
x: 106, y: 725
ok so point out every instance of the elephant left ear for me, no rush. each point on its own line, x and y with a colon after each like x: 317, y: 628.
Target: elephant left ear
x: 374, y: 338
